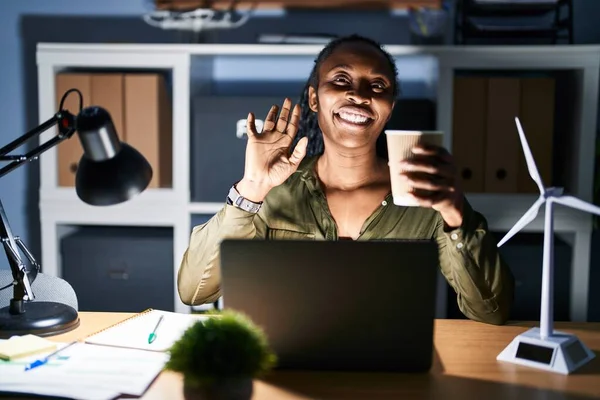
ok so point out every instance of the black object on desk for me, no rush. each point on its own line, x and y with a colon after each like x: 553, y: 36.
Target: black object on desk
x: 337, y: 305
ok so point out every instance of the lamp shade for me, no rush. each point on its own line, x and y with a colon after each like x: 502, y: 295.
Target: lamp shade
x: 109, y: 172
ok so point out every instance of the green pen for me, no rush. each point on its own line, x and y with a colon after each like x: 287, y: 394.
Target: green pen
x: 152, y: 336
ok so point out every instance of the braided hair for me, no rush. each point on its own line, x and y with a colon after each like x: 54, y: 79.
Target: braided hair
x: 309, y: 124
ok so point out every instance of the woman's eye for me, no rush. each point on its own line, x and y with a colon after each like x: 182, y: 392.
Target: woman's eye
x: 341, y: 80
x: 378, y: 86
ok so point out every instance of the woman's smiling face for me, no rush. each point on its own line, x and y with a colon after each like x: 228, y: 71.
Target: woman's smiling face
x: 355, y: 95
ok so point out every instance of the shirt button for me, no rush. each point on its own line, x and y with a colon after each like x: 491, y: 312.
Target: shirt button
x: 454, y: 236
x: 459, y: 246
x: 384, y: 203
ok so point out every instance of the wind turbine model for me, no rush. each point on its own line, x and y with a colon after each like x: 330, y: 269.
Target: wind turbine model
x: 543, y: 347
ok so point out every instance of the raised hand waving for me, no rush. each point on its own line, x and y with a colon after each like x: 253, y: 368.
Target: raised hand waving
x: 269, y: 160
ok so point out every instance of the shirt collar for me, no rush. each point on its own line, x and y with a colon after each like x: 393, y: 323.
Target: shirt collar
x: 306, y: 169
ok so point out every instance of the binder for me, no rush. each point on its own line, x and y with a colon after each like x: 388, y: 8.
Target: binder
x: 537, y: 118
x: 108, y: 93
x: 148, y: 123
x: 503, y: 147
x: 468, y: 131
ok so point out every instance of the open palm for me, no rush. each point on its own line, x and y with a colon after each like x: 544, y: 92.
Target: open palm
x: 268, y: 159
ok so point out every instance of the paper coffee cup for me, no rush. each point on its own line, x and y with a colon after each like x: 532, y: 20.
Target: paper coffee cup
x: 400, y: 144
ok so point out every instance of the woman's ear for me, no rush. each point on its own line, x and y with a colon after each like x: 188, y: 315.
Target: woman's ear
x: 312, y: 98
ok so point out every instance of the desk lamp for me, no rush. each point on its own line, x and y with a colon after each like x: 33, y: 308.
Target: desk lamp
x: 109, y: 172
x: 543, y: 347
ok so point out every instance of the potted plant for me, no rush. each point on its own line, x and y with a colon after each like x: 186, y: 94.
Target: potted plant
x: 219, y: 357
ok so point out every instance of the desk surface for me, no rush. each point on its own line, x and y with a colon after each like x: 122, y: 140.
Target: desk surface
x: 465, y: 368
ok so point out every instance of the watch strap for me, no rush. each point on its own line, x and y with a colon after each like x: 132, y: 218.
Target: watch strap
x: 235, y: 199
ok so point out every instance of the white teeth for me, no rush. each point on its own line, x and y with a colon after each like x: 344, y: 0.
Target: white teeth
x: 354, y: 118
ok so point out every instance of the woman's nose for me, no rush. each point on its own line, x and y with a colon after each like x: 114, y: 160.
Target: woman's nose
x: 358, y: 97
x: 359, y: 93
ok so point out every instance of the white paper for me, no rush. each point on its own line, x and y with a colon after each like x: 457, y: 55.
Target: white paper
x: 97, y: 371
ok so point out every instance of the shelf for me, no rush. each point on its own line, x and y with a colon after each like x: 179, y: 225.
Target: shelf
x: 329, y: 4
x: 152, y: 196
x: 505, y: 9
x: 284, y: 73
x: 484, y: 106
x: 205, y: 208
x: 126, y: 215
x: 502, y: 211
x: 482, y: 31
x: 213, y: 72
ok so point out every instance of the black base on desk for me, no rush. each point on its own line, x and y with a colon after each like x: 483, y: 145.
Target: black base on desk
x: 41, y: 318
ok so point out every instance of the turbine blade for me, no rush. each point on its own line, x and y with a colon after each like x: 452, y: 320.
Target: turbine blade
x: 574, y: 202
x: 525, y: 219
x: 531, y: 167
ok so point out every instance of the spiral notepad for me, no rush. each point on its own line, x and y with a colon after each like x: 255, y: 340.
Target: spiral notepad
x: 132, y: 333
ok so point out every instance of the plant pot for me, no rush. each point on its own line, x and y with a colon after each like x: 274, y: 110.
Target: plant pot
x: 223, y: 389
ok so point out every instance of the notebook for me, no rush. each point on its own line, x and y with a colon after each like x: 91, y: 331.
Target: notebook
x: 133, y: 332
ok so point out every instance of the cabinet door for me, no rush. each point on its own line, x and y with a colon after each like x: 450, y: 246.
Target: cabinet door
x: 120, y: 269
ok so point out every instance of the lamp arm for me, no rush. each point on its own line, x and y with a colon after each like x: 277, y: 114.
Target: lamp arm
x: 66, y: 129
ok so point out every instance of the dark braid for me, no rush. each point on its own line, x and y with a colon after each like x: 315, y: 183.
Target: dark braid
x: 309, y: 124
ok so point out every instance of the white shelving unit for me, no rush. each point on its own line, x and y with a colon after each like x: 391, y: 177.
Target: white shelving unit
x: 173, y: 207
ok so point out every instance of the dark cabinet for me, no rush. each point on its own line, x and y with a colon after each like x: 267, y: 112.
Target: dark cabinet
x: 120, y: 269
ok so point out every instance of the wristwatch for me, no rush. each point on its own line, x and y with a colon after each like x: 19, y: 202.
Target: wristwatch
x: 234, y: 198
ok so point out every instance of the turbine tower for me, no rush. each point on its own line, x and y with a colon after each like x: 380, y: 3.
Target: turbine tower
x: 543, y: 347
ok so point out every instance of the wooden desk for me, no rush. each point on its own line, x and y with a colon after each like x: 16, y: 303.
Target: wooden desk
x: 465, y: 368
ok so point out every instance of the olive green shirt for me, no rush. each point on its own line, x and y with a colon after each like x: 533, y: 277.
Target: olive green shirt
x: 297, y: 209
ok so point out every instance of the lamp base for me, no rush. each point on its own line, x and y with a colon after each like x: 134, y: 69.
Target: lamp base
x: 41, y: 318
x: 562, y: 352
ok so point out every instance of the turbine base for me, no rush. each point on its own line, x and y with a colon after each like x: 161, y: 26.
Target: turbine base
x: 562, y: 352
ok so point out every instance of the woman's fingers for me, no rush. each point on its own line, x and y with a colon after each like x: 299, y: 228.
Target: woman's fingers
x: 431, y: 150
x: 433, y: 183
x: 270, y: 120
x: 292, y: 127
x: 429, y: 164
x: 430, y: 199
x: 284, y: 116
x: 251, y: 126
x: 429, y: 183
x: 299, y: 152
x: 280, y: 124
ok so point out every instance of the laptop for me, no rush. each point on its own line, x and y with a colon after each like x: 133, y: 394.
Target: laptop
x: 337, y: 305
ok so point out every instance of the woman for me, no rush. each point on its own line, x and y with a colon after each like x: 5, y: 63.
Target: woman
x: 342, y: 189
